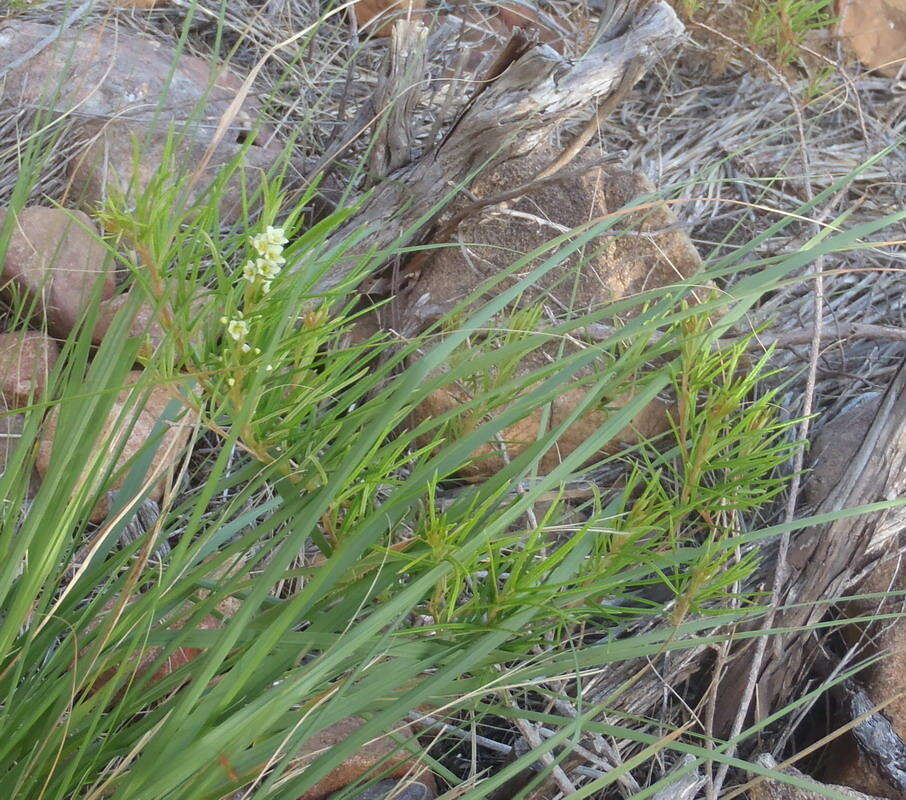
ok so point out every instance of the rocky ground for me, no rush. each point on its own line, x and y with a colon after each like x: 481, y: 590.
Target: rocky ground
x: 728, y: 130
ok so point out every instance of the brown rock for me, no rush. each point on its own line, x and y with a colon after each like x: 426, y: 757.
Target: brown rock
x: 108, y: 167
x: 777, y: 790
x: 108, y: 73
x: 113, y: 77
x: 384, y: 756
x: 55, y: 256
x: 611, y: 268
x: 168, y: 453
x: 26, y: 359
x: 146, y: 321
x: 376, y: 17
x: 848, y: 766
x: 875, y: 31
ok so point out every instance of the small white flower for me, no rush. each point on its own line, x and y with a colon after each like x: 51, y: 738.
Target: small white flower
x: 275, y: 235
x: 269, y: 368
x: 273, y: 252
x: 223, y: 320
x: 231, y: 382
x: 270, y: 242
x: 268, y: 269
x: 250, y: 271
x: 238, y: 329
x: 266, y: 287
x: 257, y: 351
x: 259, y: 241
x: 246, y: 347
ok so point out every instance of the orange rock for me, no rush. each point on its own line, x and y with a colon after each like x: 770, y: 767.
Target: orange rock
x: 520, y: 14
x: 847, y: 766
x: 145, y: 322
x: 610, y: 269
x: 376, y: 17
x: 384, y: 756
x: 56, y: 256
x: 875, y: 30
x: 651, y: 421
x: 226, y: 608
x: 167, y: 455
x: 26, y: 359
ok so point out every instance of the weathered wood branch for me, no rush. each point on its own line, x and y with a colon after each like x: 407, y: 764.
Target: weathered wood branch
x: 877, y: 737
x: 397, y: 97
x: 825, y: 560
x: 528, y: 91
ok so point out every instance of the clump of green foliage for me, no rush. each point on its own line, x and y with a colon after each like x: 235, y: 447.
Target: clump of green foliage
x: 432, y: 592
x: 775, y: 28
x: 784, y: 24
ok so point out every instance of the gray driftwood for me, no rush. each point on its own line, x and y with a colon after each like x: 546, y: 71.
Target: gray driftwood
x: 685, y: 787
x: 876, y: 737
x: 826, y: 560
x: 526, y: 92
x: 397, y: 97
